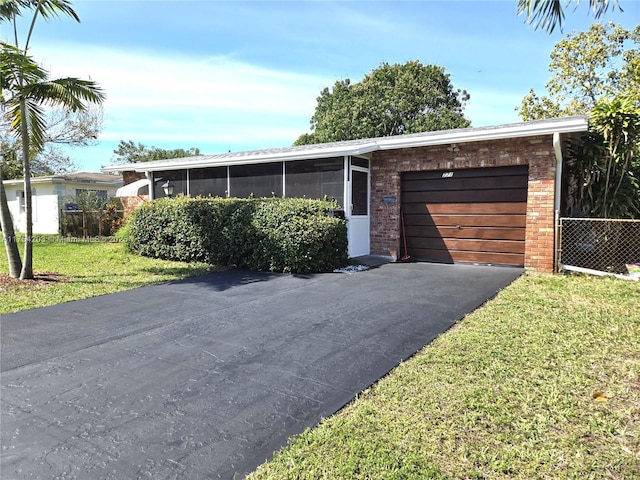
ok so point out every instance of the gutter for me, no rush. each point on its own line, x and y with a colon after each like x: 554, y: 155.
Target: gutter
x: 557, y: 148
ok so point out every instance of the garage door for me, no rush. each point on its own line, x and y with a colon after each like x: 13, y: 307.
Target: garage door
x: 474, y: 215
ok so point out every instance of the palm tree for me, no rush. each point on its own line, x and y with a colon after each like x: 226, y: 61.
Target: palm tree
x: 547, y: 14
x: 13, y: 255
x: 25, y: 91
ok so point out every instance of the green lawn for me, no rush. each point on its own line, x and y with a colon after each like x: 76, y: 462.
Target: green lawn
x: 88, y: 269
x: 507, y: 393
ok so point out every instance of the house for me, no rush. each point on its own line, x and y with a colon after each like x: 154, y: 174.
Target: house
x: 50, y: 193
x: 480, y: 195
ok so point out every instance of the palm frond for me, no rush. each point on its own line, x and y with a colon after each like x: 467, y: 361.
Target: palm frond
x: 56, y: 8
x: 547, y: 14
x: 70, y: 92
x: 9, y: 10
x: 47, y: 8
x: 600, y: 7
x: 36, y: 122
x: 544, y: 14
x: 18, y: 69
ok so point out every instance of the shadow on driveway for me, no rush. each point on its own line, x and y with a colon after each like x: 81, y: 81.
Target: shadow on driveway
x: 207, y: 377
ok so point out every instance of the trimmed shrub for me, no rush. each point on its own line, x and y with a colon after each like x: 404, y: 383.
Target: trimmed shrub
x: 279, y: 235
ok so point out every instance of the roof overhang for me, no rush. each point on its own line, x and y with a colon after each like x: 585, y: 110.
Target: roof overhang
x: 365, y: 147
x: 501, y: 132
x: 116, y: 182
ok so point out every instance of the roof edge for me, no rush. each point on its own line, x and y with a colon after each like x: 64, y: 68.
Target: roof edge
x: 366, y: 146
x: 468, y: 135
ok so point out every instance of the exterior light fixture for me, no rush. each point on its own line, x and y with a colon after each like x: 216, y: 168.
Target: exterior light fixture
x: 168, y: 188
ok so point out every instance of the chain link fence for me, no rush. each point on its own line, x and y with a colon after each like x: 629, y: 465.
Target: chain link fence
x: 604, y: 245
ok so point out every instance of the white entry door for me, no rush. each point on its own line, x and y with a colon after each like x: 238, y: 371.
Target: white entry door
x: 358, y: 220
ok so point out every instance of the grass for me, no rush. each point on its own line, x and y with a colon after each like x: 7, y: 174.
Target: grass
x: 88, y: 269
x: 542, y: 382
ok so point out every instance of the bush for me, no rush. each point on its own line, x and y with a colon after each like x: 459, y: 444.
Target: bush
x: 280, y: 235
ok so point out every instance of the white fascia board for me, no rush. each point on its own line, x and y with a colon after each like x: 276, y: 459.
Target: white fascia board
x: 20, y: 181
x: 248, y: 158
x: 525, y: 129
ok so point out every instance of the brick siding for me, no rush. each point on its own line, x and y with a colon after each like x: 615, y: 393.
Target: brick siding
x: 130, y: 177
x: 536, y: 152
x: 129, y: 204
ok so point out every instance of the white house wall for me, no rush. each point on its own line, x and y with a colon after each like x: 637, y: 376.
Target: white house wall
x: 48, y: 199
x: 45, y: 209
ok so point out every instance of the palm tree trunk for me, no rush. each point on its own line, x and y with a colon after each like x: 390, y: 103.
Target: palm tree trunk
x: 8, y: 234
x: 27, y: 264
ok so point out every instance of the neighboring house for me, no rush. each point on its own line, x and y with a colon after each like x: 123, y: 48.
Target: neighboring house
x: 50, y: 193
x: 480, y: 195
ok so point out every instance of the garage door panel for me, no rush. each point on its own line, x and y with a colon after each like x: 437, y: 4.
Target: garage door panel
x: 466, y: 220
x: 474, y: 196
x: 409, y: 206
x: 488, y: 257
x: 448, y: 256
x: 465, y: 184
x: 479, y: 220
x: 467, y: 173
x: 488, y: 233
x: 503, y: 208
x: 477, y: 245
x: 474, y: 215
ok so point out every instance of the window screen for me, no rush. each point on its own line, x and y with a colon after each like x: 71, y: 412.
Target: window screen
x: 177, y: 177
x: 261, y: 180
x: 315, y: 179
x: 208, y: 182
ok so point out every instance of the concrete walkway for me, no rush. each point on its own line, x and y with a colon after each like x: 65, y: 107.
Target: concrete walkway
x: 207, y: 377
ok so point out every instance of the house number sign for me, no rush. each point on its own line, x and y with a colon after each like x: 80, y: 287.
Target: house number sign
x: 447, y: 174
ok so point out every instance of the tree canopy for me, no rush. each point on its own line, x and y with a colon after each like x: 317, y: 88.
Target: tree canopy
x: 597, y: 73
x: 64, y: 128
x: 588, y: 66
x: 130, y: 152
x: 391, y: 100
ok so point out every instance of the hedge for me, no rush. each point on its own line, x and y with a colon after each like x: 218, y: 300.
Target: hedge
x: 275, y: 234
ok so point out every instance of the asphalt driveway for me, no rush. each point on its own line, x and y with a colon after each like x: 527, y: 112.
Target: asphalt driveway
x: 207, y: 377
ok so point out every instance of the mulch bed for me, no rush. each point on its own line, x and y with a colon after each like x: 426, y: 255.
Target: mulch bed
x: 39, y: 280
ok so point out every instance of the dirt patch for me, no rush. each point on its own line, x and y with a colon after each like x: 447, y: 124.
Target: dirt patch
x: 39, y: 280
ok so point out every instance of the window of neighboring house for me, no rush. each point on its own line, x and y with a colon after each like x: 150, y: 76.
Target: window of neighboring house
x: 100, y: 194
x: 22, y: 204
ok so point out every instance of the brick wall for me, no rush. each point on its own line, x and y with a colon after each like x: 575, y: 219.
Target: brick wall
x: 537, y: 152
x: 130, y: 177
x: 129, y: 204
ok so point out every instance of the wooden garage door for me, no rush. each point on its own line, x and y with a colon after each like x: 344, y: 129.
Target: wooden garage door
x: 475, y: 215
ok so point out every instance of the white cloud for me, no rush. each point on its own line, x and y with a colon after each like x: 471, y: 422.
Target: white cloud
x: 166, y: 98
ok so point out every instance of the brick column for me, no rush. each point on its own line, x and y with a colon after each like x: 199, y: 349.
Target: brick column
x: 540, y: 234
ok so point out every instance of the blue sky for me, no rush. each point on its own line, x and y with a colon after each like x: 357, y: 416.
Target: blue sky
x: 233, y: 75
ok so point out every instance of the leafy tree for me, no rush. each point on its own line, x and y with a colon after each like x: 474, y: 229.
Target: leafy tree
x: 130, y: 152
x: 547, y: 14
x: 586, y: 67
x: 64, y: 128
x: 391, y: 100
x: 26, y: 90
